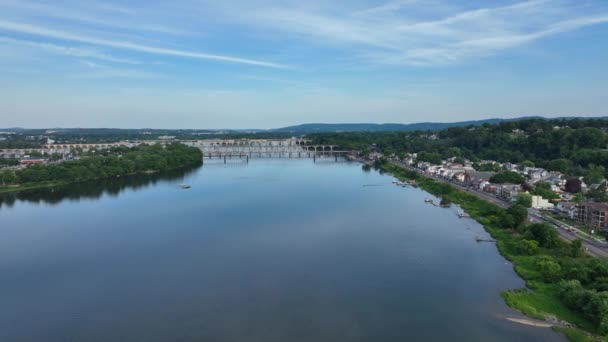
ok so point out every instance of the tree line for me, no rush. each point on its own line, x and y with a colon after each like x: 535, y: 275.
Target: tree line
x: 113, y: 162
x: 575, y: 147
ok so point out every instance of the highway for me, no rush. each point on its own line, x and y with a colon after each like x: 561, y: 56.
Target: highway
x: 594, y: 248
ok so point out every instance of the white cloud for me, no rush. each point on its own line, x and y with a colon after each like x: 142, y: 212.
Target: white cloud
x: 79, y: 52
x: 394, y: 33
x: 126, y: 45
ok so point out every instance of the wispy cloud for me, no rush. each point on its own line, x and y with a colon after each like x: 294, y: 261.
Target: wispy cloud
x: 103, y: 71
x: 126, y: 45
x: 78, y: 52
x: 390, y: 33
x: 106, y: 15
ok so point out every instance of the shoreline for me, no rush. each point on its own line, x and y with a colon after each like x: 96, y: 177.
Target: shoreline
x: 51, y: 184
x: 537, y: 301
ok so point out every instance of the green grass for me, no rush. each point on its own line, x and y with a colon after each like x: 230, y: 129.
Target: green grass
x: 574, y: 335
x: 539, y: 299
x: 30, y: 186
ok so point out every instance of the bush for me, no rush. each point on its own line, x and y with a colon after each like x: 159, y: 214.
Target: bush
x: 549, y: 269
x: 545, y: 235
x: 527, y: 247
x: 524, y: 200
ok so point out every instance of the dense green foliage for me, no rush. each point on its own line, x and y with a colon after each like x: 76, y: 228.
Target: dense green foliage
x: 540, y: 257
x: 115, y: 162
x: 544, y: 189
x: 8, y: 162
x: 507, y: 177
x: 524, y: 199
x: 568, y: 146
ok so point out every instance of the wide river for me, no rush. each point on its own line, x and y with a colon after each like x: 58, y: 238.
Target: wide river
x: 270, y: 251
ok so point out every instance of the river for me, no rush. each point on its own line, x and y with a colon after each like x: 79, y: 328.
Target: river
x: 270, y: 250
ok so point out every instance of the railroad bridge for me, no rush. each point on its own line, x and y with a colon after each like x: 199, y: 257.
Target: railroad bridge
x: 294, y: 147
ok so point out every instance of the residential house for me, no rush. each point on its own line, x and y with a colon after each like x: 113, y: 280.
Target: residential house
x: 537, y: 174
x: 508, y: 191
x: 568, y: 209
x: 491, y: 188
x: 478, y: 176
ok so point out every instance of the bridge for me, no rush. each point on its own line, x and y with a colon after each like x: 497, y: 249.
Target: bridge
x: 211, y: 148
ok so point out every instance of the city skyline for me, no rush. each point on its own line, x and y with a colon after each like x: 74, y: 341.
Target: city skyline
x: 264, y: 64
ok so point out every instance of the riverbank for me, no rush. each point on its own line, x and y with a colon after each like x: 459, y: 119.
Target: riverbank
x: 30, y: 186
x: 540, y: 300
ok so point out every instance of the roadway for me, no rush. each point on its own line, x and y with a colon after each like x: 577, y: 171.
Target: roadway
x: 594, y: 248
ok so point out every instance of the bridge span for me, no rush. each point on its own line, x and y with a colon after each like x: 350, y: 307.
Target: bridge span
x: 294, y: 147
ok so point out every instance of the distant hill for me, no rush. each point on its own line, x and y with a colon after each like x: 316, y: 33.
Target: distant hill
x: 370, y: 127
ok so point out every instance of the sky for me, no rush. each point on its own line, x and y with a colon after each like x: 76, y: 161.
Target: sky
x: 266, y: 64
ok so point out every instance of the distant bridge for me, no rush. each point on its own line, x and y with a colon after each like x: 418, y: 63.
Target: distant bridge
x: 218, y: 148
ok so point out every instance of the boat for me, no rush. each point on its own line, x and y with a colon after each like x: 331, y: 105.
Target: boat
x: 428, y: 200
x: 461, y: 215
x: 185, y: 186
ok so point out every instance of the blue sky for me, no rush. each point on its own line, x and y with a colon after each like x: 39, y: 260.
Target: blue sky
x: 263, y: 63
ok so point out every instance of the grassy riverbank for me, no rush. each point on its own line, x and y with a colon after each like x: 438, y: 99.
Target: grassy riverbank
x: 30, y: 186
x: 541, y: 299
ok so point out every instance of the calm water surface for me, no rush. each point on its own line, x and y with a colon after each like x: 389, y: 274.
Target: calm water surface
x: 273, y: 250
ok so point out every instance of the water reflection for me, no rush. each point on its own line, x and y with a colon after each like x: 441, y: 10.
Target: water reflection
x: 92, y: 189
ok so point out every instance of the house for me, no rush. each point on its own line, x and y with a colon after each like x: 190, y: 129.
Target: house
x: 491, y: 188
x: 537, y: 174
x: 423, y: 165
x: 568, y: 209
x: 460, y: 177
x: 511, y: 167
x: 538, y: 202
x: 593, y: 214
x: 508, y: 191
x: 476, y: 176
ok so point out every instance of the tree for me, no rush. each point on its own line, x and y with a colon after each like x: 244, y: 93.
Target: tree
x: 543, y: 189
x: 433, y: 158
x: 575, y: 248
x: 526, y: 163
x: 599, y: 194
x: 519, y: 214
x: 527, y: 247
x: 507, y: 177
x: 524, y: 199
x: 7, y: 177
x: 454, y: 152
x: 573, y: 185
x: 572, y: 293
x: 549, y: 269
x: 561, y: 165
x: 595, y: 174
x: 545, y: 235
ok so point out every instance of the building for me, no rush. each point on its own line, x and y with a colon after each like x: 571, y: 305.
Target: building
x: 508, y: 191
x: 568, y: 209
x: 32, y: 161
x: 540, y: 203
x: 593, y: 214
x: 477, y: 177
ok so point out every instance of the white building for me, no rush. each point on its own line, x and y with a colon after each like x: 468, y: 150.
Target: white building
x: 540, y: 203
